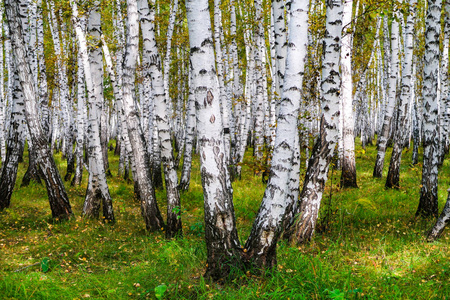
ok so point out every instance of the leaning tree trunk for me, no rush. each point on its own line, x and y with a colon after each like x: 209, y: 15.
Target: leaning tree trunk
x: 32, y: 173
x: 59, y: 202
x: 14, y: 146
x: 317, y: 172
x: 222, y: 242
x: 441, y: 223
x: 348, y: 175
x: 261, y: 245
x: 428, y: 203
x: 393, y: 177
x: 97, y: 191
x: 389, y: 110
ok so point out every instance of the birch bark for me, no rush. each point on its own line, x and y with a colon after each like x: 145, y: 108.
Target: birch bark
x: 393, y: 177
x: 444, y: 120
x: 428, y: 203
x: 14, y: 145
x: 317, y: 172
x: 59, y: 202
x: 80, y: 128
x: 153, y: 62
x: 189, y: 142
x: 267, y: 227
x: 258, y: 99
x: 348, y: 177
x: 223, y: 246
x: 389, y: 110
x: 97, y: 191
x: 149, y: 207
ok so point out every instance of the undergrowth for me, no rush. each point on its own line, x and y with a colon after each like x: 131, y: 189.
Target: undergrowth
x: 368, y: 245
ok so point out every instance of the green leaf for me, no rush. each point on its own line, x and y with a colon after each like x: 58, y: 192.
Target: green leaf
x: 160, y: 290
x: 44, y: 264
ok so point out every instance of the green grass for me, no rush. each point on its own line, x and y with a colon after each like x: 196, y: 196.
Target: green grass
x: 372, y: 247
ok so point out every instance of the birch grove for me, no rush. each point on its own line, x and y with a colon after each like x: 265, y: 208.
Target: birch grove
x: 217, y: 91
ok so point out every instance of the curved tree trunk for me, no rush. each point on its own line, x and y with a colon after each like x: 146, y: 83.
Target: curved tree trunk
x: 32, y: 173
x: 14, y: 146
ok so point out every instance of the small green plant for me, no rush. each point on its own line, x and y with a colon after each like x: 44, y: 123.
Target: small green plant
x: 197, y: 228
x: 335, y: 294
x: 45, y: 264
x: 177, y: 210
x: 160, y: 290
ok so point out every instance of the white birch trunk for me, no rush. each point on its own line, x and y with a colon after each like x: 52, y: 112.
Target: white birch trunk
x: 444, y: 120
x: 80, y: 128
x: 348, y: 177
x: 59, y: 202
x: 220, y: 229
x: 389, y: 109
x: 97, y: 192
x: 278, y: 196
x: 15, y: 146
x: 258, y: 99
x: 153, y: 61
x: 428, y: 203
x: 317, y: 172
x: 189, y: 141
x: 393, y: 177
x: 149, y: 207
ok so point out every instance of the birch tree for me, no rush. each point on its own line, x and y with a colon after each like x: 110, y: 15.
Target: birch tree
x: 14, y: 145
x: 97, y: 192
x: 153, y: 63
x: 323, y: 150
x: 393, y: 177
x: 267, y: 227
x: 149, y: 206
x: 223, y: 246
x: 392, y: 89
x: 444, y: 120
x: 428, y: 203
x: 348, y: 177
x: 59, y: 202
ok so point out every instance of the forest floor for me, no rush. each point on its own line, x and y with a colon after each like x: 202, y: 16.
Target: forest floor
x: 368, y: 245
